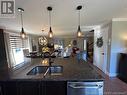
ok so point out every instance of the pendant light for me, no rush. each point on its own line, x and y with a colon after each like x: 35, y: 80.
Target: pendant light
x: 42, y: 40
x: 22, y: 33
x: 79, y: 33
x: 50, y: 34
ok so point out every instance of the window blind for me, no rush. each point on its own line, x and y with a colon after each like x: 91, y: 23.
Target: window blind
x: 17, y: 42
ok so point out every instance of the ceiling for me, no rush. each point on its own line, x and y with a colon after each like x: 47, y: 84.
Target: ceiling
x: 64, y: 15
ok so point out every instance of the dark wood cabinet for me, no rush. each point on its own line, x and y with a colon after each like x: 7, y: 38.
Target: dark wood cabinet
x: 42, y: 88
x: 33, y: 88
x: 1, y: 89
x: 8, y: 88
x: 20, y: 88
x: 1, y: 92
x: 122, y: 67
x: 28, y: 88
x: 55, y: 88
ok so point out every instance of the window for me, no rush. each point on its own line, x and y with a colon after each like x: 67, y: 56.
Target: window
x: 17, y: 45
x: 84, y: 44
x: 56, y: 46
x: 58, y: 43
x: 18, y: 56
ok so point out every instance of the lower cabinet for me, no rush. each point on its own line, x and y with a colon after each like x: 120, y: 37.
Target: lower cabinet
x: 28, y: 88
x: 55, y: 88
x: 20, y: 88
x: 33, y: 88
x: 8, y: 88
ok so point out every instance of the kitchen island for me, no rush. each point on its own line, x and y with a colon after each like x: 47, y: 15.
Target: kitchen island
x: 19, y: 82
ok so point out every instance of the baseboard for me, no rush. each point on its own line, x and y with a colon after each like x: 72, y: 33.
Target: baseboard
x: 112, y: 74
x: 107, y: 73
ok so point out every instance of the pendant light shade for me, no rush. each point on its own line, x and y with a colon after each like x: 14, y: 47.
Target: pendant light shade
x: 22, y: 33
x: 79, y: 33
x: 50, y: 34
x: 43, y: 40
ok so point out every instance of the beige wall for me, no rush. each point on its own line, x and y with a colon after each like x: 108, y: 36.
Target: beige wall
x: 80, y: 42
x: 33, y: 39
x: 67, y: 41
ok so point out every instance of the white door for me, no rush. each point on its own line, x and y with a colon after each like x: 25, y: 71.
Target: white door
x: 103, y: 50
x: 100, y: 53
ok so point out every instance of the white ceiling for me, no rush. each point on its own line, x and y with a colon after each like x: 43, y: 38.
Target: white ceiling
x: 64, y: 15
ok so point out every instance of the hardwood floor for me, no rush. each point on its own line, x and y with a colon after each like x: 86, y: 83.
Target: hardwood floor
x: 113, y: 86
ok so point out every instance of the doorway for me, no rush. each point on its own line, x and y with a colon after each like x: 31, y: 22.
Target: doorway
x: 101, y: 52
x: 90, y: 46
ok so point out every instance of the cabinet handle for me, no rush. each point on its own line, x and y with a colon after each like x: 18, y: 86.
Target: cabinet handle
x: 85, y: 86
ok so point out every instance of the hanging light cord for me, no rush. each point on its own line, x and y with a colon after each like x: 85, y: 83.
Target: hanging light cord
x: 21, y: 19
x: 50, y: 18
x: 79, y: 17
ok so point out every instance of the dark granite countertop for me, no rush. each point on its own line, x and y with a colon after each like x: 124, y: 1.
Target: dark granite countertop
x: 72, y: 71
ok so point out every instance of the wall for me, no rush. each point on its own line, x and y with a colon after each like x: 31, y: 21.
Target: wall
x: 80, y: 42
x: 9, y: 51
x: 102, y: 55
x: 67, y: 41
x: 33, y: 40
x: 97, y: 51
x: 118, y: 44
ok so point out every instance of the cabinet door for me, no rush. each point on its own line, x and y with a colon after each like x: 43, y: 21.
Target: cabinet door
x: 1, y: 89
x: 29, y: 88
x: 42, y: 88
x: 9, y: 88
x: 55, y: 88
x: 1, y: 92
x: 2, y: 46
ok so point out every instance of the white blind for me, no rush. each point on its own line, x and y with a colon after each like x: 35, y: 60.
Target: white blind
x: 17, y: 42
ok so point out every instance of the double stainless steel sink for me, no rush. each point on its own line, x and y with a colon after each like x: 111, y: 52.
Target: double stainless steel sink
x: 52, y: 70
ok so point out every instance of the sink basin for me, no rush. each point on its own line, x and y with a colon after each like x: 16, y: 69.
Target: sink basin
x: 55, y: 70
x: 52, y: 70
x: 38, y: 70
